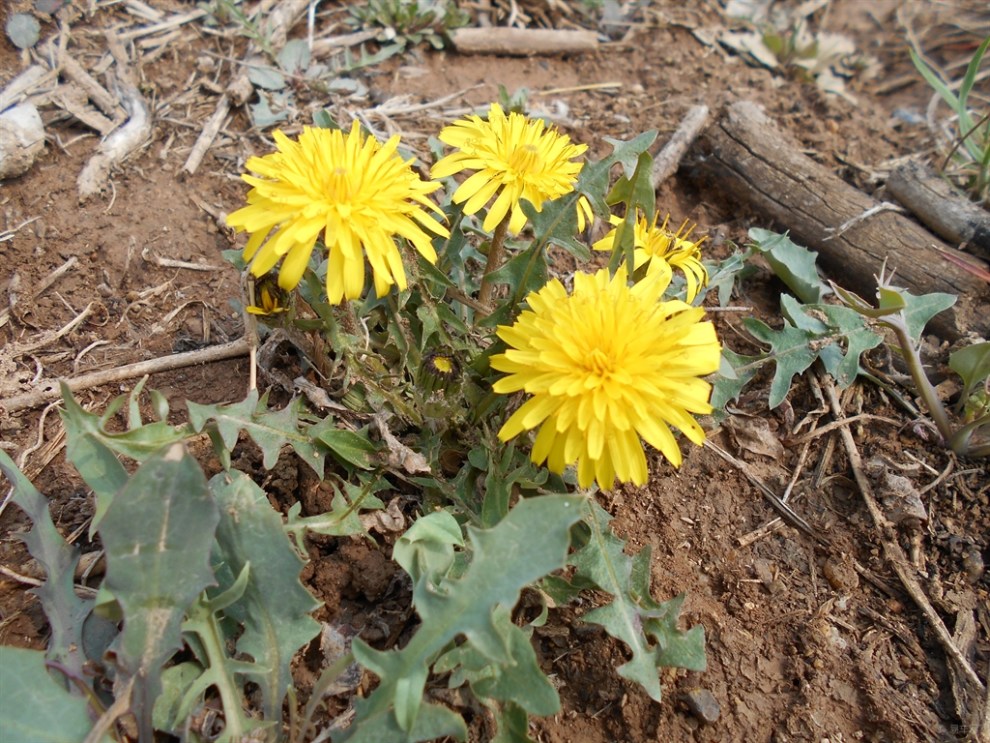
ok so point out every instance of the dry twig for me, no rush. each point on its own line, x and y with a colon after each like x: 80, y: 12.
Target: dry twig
x: 892, y: 548
x: 788, y: 514
x: 50, y: 390
x: 669, y: 158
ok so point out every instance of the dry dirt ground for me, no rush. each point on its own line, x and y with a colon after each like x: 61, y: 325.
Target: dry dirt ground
x: 806, y: 640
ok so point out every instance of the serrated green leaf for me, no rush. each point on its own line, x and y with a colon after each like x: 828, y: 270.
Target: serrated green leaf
x: 33, y: 706
x: 792, y: 263
x: 266, y: 77
x: 529, y: 543
x: 524, y: 272
x: 269, y: 430
x: 734, y: 372
x: 138, y: 444
x: 556, y: 223
x: 503, y: 475
x: 520, y: 682
x: 722, y: 277
x: 625, y: 153
x: 98, y: 466
x: 636, y: 190
x: 65, y: 611
x: 648, y: 628
x: 157, y: 533
x: 176, y: 681
x: 343, y: 519
x: 842, y: 335
x: 919, y: 310
x: 432, y: 722
x: 972, y: 363
x: 263, y: 115
x: 595, y: 178
x: 687, y: 650
x: 427, y: 547
x: 274, y: 609
x: 210, y: 636
x: 512, y: 724
x: 294, y: 57
x: 790, y: 350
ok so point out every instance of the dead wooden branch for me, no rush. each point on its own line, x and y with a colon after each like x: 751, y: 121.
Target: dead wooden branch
x: 50, y: 390
x: 937, y: 204
x: 125, y: 139
x: 669, y: 158
x: 745, y: 157
x: 522, y: 42
x: 24, y: 84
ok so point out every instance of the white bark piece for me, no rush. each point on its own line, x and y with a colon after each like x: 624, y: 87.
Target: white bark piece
x: 522, y: 42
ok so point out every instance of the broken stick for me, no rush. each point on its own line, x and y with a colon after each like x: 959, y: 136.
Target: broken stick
x: 669, y: 158
x: 745, y: 157
x: 50, y: 390
x: 522, y: 42
x: 933, y: 200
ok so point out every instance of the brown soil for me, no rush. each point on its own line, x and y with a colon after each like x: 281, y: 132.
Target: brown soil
x: 801, y: 646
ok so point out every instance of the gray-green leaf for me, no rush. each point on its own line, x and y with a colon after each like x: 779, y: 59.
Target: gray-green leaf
x: 792, y: 263
x: 33, y: 706
x: 158, y: 533
x: 274, y: 609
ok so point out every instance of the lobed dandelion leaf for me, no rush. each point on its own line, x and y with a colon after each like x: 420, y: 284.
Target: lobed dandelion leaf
x: 792, y: 263
x: 529, y: 543
x: 269, y: 430
x: 65, y: 611
x: 647, y: 627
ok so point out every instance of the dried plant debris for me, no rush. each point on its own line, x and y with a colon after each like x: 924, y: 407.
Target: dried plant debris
x: 787, y: 42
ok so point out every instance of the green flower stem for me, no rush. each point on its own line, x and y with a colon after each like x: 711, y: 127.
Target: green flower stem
x: 921, y: 382
x: 494, y: 260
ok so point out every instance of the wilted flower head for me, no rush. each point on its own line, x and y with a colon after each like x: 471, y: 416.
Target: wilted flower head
x: 269, y: 298
x: 605, y: 366
x: 360, y: 194
x: 512, y: 156
x: 664, y: 250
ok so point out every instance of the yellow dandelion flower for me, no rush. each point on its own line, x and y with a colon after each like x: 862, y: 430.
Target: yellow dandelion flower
x: 606, y: 366
x: 512, y: 156
x: 360, y: 194
x: 664, y: 250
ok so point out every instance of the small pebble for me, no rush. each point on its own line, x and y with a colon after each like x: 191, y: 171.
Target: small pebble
x: 840, y: 575
x: 973, y: 565
x: 702, y: 704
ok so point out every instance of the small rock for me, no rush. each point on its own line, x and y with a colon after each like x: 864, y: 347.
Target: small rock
x: 840, y: 575
x: 973, y: 566
x: 702, y: 704
x: 22, y: 138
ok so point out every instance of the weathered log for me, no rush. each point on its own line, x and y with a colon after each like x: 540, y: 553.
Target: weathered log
x: 942, y: 208
x: 522, y: 42
x: 746, y: 158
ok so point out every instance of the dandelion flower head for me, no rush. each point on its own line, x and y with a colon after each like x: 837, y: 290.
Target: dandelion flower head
x: 664, y: 250
x: 511, y: 156
x: 358, y: 193
x: 607, y: 366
